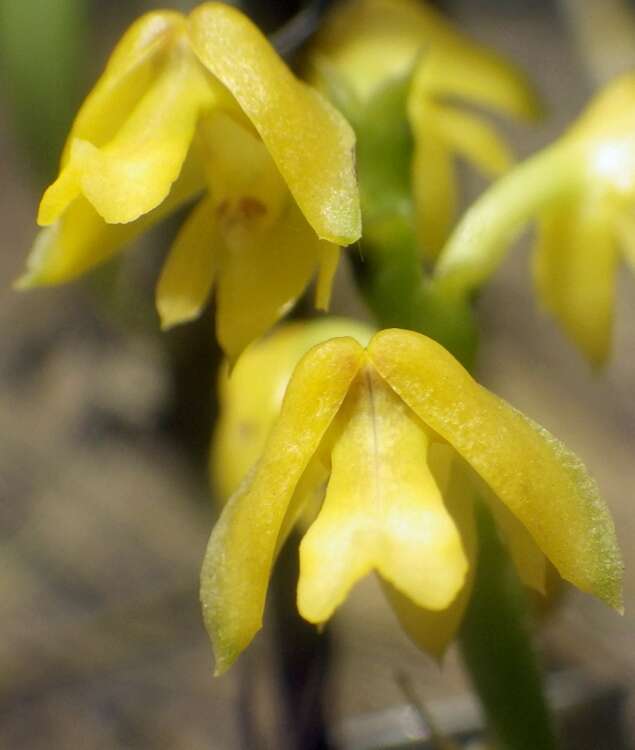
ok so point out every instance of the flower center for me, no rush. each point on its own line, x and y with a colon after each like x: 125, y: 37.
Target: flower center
x: 240, y: 217
x: 243, y: 210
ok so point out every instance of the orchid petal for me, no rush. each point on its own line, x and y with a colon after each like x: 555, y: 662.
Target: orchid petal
x: 260, y: 277
x: 434, y: 183
x: 242, y: 546
x: 383, y: 510
x: 311, y: 143
x: 134, y: 172
x: 474, y: 139
x: 130, y: 71
x: 188, y: 272
x: 433, y: 631
x: 80, y: 239
x: 575, y: 266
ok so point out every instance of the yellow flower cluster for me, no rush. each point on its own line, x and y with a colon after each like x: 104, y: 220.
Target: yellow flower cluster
x: 389, y: 441
x: 202, y: 107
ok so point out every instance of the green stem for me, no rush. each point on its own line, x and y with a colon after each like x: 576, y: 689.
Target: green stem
x: 496, y: 647
x: 389, y: 269
x: 398, y: 292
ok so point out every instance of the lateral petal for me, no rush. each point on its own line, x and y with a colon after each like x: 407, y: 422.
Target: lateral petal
x: 130, y: 70
x: 134, y: 172
x: 529, y: 560
x: 540, y: 481
x: 433, y: 182
x: 80, y: 239
x: 575, y: 264
x: 311, y: 143
x: 187, y: 275
x: 241, y: 549
x: 383, y: 510
x: 329, y: 260
x: 260, y: 275
x: 475, y: 140
x: 460, y: 68
x: 129, y: 74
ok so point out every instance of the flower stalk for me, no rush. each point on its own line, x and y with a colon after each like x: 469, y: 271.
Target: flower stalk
x: 495, y: 643
x: 389, y: 268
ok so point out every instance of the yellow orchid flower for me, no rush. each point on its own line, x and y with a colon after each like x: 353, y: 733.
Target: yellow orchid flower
x: 395, y: 432
x: 366, y: 45
x: 581, y: 192
x: 203, y: 106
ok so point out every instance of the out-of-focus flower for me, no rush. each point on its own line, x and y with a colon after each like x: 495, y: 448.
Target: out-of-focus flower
x: 581, y: 192
x: 399, y: 435
x: 203, y: 106
x: 366, y: 46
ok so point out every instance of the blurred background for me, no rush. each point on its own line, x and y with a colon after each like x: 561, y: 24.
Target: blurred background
x: 104, y: 502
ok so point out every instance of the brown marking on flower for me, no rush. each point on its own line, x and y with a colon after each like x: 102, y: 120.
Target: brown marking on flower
x: 251, y: 208
x: 246, y: 210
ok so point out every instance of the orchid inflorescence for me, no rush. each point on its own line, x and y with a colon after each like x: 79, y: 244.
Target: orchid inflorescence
x: 378, y: 445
